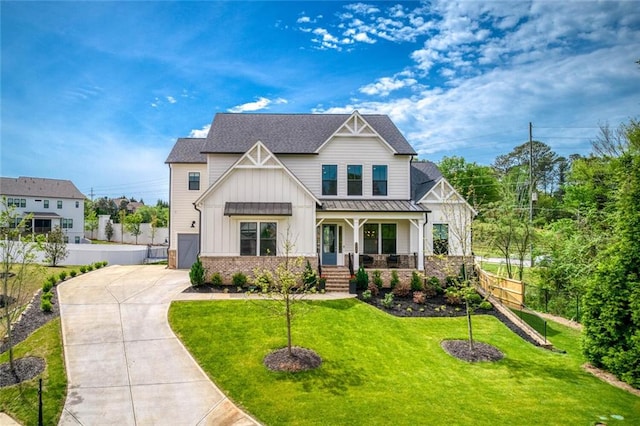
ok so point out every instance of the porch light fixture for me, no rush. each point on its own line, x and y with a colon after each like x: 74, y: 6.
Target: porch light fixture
x: 193, y: 224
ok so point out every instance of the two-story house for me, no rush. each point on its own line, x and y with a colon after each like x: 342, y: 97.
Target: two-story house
x: 337, y: 189
x: 50, y: 202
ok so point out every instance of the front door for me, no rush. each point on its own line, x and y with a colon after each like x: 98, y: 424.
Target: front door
x: 329, y: 246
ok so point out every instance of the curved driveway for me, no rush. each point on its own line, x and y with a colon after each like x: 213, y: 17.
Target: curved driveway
x: 124, y: 364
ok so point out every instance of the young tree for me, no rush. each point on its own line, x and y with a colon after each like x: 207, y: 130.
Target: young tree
x: 122, y: 214
x: 18, y: 267
x: 108, y: 230
x: 55, y: 248
x: 132, y: 224
x: 91, y: 222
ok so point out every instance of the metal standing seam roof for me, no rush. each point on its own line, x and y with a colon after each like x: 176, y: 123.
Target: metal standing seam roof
x: 39, y: 187
x: 257, y: 209
x: 42, y: 215
x: 291, y: 133
x: 371, y: 206
x: 187, y: 150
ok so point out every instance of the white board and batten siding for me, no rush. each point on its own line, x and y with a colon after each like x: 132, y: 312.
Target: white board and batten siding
x: 344, y: 151
x: 222, y: 233
x: 182, y: 212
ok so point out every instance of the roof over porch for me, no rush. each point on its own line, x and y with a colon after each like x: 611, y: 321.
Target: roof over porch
x: 368, y: 206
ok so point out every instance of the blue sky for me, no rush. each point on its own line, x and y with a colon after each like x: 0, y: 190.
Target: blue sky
x: 98, y: 92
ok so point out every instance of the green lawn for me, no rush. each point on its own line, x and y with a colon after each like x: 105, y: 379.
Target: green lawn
x: 21, y: 401
x: 379, y: 369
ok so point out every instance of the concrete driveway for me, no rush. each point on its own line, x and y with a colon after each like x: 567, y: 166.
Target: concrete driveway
x: 124, y: 364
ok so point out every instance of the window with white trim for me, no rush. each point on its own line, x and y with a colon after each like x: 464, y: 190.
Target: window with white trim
x: 258, y: 238
x: 440, y: 238
x: 194, y: 181
x: 379, y: 184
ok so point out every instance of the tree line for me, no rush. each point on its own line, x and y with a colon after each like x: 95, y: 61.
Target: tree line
x: 581, y: 232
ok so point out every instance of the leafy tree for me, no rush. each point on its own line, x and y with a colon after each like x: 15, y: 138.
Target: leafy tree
x: 545, y: 164
x: 55, y: 248
x: 18, y: 267
x: 122, y: 214
x: 105, y: 206
x: 132, y: 224
x: 612, y: 301
x: 478, y: 184
x: 91, y: 221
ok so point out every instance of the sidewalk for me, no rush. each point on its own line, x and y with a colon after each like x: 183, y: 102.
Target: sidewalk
x: 124, y: 364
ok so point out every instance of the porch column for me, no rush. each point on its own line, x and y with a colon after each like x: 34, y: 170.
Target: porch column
x: 420, y: 265
x: 356, y: 248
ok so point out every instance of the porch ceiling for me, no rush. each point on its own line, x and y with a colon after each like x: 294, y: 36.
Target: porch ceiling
x: 370, y: 206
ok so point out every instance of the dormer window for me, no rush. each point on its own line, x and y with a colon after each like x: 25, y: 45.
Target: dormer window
x: 379, y: 180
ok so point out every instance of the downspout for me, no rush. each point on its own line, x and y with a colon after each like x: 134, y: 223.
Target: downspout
x: 199, y: 229
x: 169, y: 224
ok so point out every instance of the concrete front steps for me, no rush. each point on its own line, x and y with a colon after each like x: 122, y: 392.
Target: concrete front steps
x: 337, y: 278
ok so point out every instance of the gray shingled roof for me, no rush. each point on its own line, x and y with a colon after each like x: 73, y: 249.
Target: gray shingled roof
x: 39, y: 187
x: 424, y: 176
x: 187, y: 150
x: 290, y: 133
x: 371, y: 206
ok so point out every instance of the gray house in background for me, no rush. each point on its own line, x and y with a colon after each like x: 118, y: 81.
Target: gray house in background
x: 51, y: 202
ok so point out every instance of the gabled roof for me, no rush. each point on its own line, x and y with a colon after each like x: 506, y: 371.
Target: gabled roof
x: 39, y: 187
x: 424, y: 176
x: 187, y: 150
x: 291, y: 133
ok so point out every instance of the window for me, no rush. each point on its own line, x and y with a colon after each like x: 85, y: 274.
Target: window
x: 354, y: 180
x: 329, y: 179
x: 67, y: 223
x: 380, y: 235
x: 251, y: 245
x: 77, y: 240
x: 440, y: 238
x: 23, y: 202
x: 194, y: 181
x: 46, y: 204
x: 59, y: 204
x: 77, y: 204
x: 370, y: 233
x: 388, y: 238
x: 17, y: 202
x: 379, y: 180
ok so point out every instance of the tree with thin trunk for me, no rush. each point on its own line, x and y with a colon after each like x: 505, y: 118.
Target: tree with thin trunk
x: 18, y: 267
x: 132, y: 224
x: 55, y: 248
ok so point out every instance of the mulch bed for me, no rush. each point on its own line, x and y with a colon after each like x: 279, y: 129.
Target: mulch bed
x: 31, y: 319
x: 301, y: 359
x: 480, y: 352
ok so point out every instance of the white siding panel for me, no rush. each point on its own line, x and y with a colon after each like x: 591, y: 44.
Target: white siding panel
x: 182, y: 213
x: 218, y: 164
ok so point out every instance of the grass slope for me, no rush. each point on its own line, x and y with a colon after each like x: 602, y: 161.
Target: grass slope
x: 378, y: 369
x: 21, y: 401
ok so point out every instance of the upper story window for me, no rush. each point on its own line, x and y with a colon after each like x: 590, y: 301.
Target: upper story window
x: 17, y: 202
x: 329, y: 179
x: 45, y: 204
x: 59, y: 204
x: 379, y: 180
x: 194, y: 181
x: 77, y: 204
x: 354, y: 179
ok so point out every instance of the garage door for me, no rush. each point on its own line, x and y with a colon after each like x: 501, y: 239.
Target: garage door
x: 187, y: 250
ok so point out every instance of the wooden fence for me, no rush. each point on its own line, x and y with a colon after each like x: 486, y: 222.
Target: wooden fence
x: 508, y: 291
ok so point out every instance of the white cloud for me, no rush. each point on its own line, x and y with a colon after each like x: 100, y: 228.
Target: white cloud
x: 171, y: 99
x: 385, y: 85
x: 200, y: 133
x: 260, y: 103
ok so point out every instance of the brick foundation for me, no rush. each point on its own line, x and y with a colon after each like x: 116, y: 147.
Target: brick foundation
x: 227, y: 266
x: 173, y: 264
x: 445, y: 266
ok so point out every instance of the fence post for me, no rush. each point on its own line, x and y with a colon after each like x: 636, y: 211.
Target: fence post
x: 40, y: 421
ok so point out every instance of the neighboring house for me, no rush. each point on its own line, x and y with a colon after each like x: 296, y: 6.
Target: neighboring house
x: 333, y: 188
x: 51, y: 202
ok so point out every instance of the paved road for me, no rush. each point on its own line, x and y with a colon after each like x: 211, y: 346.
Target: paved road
x: 124, y: 364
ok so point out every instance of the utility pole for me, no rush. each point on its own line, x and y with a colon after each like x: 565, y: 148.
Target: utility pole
x: 531, y: 193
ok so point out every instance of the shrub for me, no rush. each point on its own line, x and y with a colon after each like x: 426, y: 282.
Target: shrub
x: 48, y: 295
x: 387, y: 302
x: 474, y: 299
x: 239, y: 279
x: 216, y: 279
x: 395, y: 279
x: 83, y: 269
x: 73, y: 273
x: 63, y: 275
x: 362, y: 279
x: 373, y: 289
x: 416, y: 281
x: 47, y: 286
x: 196, y: 274
x: 309, y: 276
x: 377, y: 279
x: 451, y: 281
x: 486, y: 305
x: 89, y: 268
x: 453, y: 296
x: 104, y: 263
x: 52, y: 280
x: 97, y: 265
x: 366, y: 295
x: 434, y: 284
x: 402, y: 289
x: 46, y: 305
x: 419, y: 297
x: 262, y: 279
